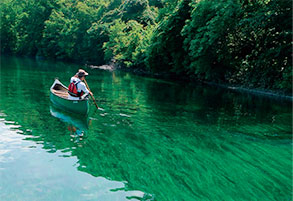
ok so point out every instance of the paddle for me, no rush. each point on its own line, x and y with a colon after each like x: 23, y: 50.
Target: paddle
x: 91, y: 93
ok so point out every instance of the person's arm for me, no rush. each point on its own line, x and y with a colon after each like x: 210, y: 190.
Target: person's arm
x: 85, y: 90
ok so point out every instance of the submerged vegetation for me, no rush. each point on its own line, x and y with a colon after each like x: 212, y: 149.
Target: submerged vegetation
x: 242, y: 42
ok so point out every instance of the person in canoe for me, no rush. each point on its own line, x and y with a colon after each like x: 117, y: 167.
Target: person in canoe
x: 75, y: 77
x: 77, y: 88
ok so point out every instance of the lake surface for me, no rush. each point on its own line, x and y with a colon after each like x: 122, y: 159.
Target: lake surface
x: 153, y: 140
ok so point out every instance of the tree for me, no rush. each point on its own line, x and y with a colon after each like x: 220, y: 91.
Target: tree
x: 166, y: 52
x: 205, y: 38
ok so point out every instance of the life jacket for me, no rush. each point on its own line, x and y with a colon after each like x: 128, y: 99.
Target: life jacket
x: 72, y: 89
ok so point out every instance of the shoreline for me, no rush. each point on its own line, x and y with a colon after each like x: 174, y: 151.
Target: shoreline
x: 255, y: 91
x: 112, y: 66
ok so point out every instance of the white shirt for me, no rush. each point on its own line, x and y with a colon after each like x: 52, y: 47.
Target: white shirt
x: 80, y: 87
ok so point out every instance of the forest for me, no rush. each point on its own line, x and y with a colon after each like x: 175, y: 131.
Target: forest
x: 244, y: 43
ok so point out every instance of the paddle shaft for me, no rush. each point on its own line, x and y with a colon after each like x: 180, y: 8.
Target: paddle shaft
x: 91, y: 93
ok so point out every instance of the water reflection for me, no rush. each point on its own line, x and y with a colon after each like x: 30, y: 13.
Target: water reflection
x: 27, y: 171
x: 154, y: 139
x: 76, y: 126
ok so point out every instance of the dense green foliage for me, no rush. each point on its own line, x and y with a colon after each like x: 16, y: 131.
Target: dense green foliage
x: 244, y: 42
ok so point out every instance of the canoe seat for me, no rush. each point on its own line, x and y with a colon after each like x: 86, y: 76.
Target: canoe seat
x: 61, y: 93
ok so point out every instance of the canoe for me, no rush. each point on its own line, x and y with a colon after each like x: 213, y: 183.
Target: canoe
x: 59, y: 97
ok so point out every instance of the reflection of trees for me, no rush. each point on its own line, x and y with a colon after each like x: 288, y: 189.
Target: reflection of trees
x: 224, y: 109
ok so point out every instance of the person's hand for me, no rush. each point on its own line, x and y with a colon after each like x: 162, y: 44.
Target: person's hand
x: 91, y: 93
x: 84, y: 96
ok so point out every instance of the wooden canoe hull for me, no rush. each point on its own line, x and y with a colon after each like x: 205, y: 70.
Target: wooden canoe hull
x: 61, y: 101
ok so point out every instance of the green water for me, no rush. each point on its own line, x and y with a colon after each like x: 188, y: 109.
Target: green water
x: 154, y: 140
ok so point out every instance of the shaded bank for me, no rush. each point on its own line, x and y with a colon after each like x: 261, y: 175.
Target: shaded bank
x: 172, y: 77
x: 260, y: 92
